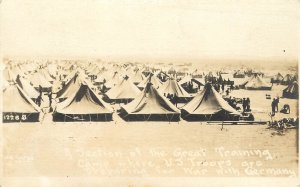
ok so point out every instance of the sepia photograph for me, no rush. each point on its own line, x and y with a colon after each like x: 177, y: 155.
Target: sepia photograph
x: 149, y: 93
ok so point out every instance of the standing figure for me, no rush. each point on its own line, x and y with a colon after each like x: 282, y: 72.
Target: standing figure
x: 227, y: 91
x: 244, y: 104
x: 40, y: 89
x: 50, y: 98
x: 175, y: 100
x: 273, y: 106
x: 277, y: 102
x: 39, y: 100
x: 223, y: 87
x: 231, y: 86
x: 248, y: 104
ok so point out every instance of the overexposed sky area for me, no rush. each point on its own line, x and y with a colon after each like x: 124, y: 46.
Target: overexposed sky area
x: 136, y: 30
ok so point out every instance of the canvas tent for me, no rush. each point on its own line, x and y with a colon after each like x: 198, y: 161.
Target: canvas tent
x: 226, y: 78
x: 199, y: 81
x: 137, y: 77
x: 154, y: 80
x: 123, y: 92
x: 190, y: 85
x: 241, y: 83
x: 185, y: 79
x: 150, y: 105
x: 38, y: 79
x: 258, y: 83
x: 18, y: 107
x: 47, y: 75
x: 277, y: 78
x: 255, y: 83
x: 69, y: 88
x: 208, y: 105
x: 292, y: 91
x: 239, y: 74
x: 27, y: 88
x: 172, y: 87
x: 9, y: 75
x: 52, y: 69
x: 109, y: 79
x: 83, y: 105
x: 287, y: 79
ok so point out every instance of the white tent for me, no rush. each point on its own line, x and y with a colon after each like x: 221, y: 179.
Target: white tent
x: 150, y: 105
x: 123, y: 92
x: 208, y: 105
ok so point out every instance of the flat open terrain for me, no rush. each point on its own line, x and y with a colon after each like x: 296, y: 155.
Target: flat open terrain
x: 153, y: 149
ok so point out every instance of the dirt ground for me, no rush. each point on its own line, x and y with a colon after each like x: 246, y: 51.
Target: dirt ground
x: 147, y: 149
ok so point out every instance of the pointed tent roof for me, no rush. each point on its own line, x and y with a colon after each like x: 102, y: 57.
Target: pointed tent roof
x: 16, y: 100
x: 239, y: 72
x: 278, y: 77
x: 71, y: 87
x: 38, y: 79
x: 113, y: 80
x: 226, y: 76
x: 28, y: 89
x: 185, y: 79
x: 124, y: 90
x: 46, y: 74
x: 196, y: 72
x: 153, y: 79
x: 150, y: 101
x: 287, y: 78
x: 200, y: 81
x: 209, y: 101
x: 137, y: 76
x: 69, y: 76
x: 257, y: 82
x: 83, y: 101
x: 172, y: 87
x: 52, y: 69
x: 18, y: 70
x: 244, y: 81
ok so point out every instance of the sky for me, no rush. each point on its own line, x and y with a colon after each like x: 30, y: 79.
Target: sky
x: 153, y: 30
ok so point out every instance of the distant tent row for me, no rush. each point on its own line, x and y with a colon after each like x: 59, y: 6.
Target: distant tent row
x: 149, y: 105
x: 256, y: 83
x: 286, y: 80
x: 277, y: 78
x: 146, y: 94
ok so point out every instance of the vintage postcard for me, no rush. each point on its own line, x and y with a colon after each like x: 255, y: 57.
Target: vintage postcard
x: 149, y: 93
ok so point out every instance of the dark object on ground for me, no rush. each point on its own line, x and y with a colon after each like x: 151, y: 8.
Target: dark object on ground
x: 284, y: 123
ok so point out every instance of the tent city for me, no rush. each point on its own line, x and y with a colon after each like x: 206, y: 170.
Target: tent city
x: 208, y: 118
x: 79, y: 91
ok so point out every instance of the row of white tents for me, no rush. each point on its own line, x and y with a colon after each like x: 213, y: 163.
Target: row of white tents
x: 144, y: 94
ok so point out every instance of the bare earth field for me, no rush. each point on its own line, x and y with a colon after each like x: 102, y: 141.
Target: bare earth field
x: 160, y: 149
